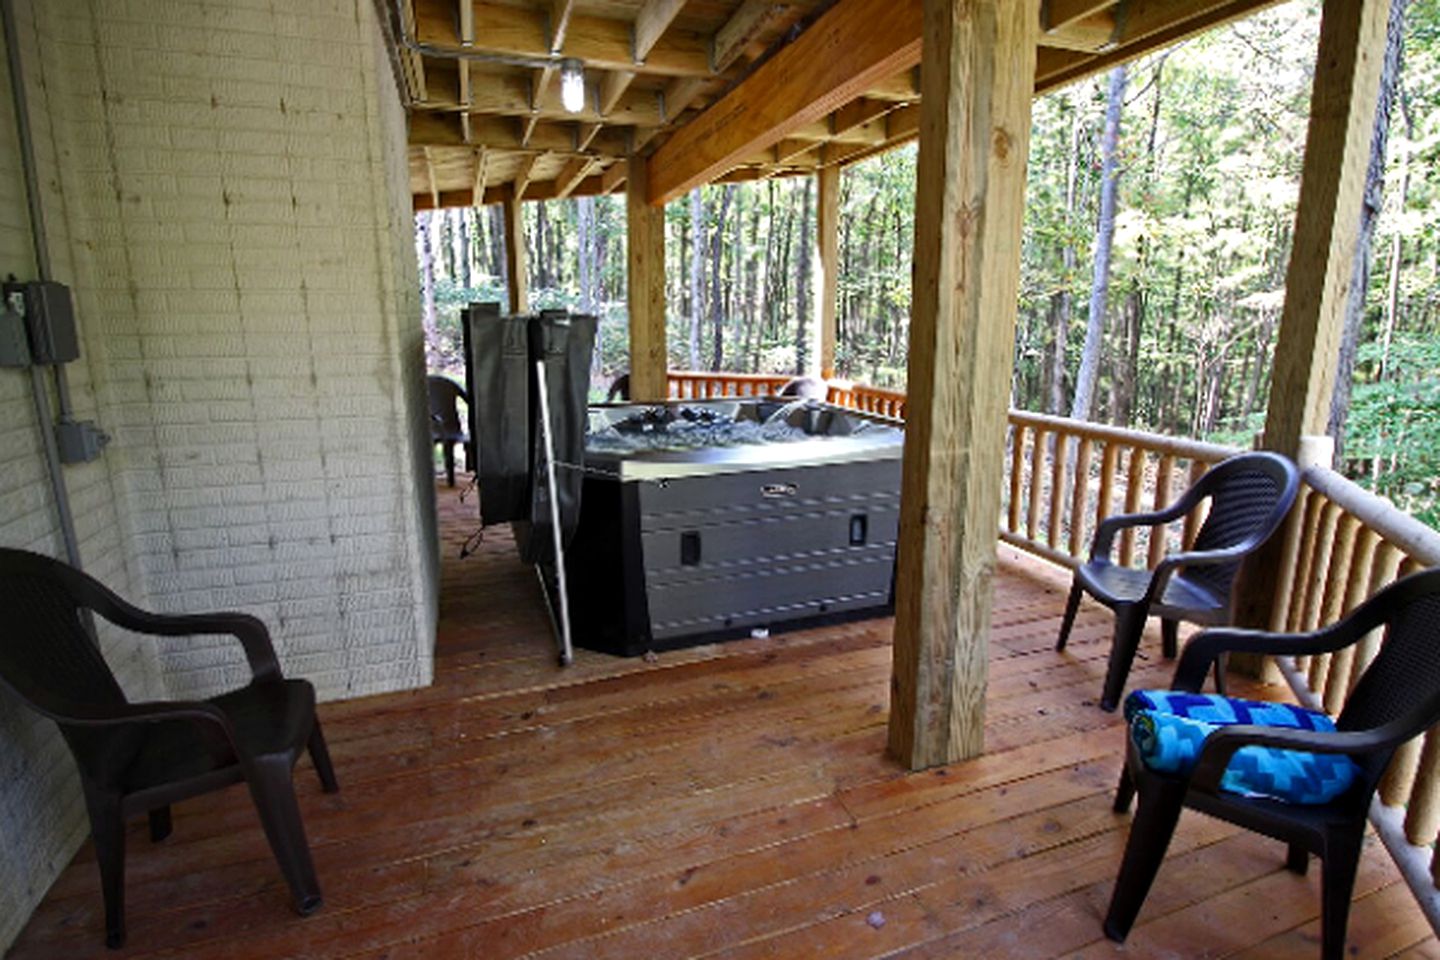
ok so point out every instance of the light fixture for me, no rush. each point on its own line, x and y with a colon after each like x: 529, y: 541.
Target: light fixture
x: 572, y: 84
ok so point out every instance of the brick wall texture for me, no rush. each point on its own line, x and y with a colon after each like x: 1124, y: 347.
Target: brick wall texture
x: 224, y: 190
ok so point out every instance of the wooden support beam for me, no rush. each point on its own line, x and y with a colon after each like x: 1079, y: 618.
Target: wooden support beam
x: 801, y: 83
x: 585, y: 134
x: 431, y: 129
x: 614, y: 176
x: 645, y: 240
x: 741, y: 30
x: 651, y: 23
x: 482, y: 161
x: 612, y: 87
x: 604, y: 43
x: 1058, y: 14
x: 522, y: 174
x: 1092, y: 34
x: 560, y: 11
x: 414, y: 62
x: 857, y: 113
x: 516, y: 282
x: 679, y: 94
x: 1332, y: 185
x: 521, y: 95
x: 430, y: 176
x: 826, y: 278
x: 527, y: 129
x: 570, y: 176
x: 969, y: 211
x: 465, y: 23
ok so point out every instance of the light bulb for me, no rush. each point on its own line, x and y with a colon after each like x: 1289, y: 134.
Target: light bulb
x: 572, y: 85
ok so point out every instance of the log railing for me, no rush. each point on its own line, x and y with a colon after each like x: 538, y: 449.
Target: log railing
x: 877, y: 400
x: 1343, y: 545
x: 1065, y: 476
x: 696, y: 385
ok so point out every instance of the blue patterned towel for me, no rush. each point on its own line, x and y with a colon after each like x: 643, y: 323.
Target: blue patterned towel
x: 1169, y: 729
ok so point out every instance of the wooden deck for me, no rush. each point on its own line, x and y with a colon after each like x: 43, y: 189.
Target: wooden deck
x: 728, y: 801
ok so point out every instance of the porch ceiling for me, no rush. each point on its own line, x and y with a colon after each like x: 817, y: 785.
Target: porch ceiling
x: 484, y: 95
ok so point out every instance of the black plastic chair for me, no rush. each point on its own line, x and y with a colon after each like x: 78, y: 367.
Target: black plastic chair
x: 1396, y: 699
x: 445, y: 428
x: 1249, y: 494
x: 141, y: 757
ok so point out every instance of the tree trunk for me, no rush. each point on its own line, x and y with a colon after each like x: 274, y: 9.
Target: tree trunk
x: 427, y: 283
x: 717, y: 306
x: 1122, y: 407
x: 697, y: 278
x: 802, y: 293
x: 1104, y: 235
x: 1392, y: 291
x: 1064, y: 298
x: 1373, y: 200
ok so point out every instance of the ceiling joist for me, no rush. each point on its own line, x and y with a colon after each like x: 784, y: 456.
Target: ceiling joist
x: 800, y: 84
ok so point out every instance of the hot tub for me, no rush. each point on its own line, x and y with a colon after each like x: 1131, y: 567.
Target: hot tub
x: 703, y: 520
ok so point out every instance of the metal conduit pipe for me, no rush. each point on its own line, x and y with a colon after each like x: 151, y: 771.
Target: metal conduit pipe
x: 38, y: 387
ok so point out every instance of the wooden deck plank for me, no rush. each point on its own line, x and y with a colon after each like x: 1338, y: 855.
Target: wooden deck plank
x: 729, y: 800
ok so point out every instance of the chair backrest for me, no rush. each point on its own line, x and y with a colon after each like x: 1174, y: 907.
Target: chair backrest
x: 444, y: 416
x: 46, y: 655
x: 1402, y: 683
x: 1249, y: 494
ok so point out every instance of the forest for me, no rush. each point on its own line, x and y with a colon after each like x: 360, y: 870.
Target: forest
x: 1161, y: 200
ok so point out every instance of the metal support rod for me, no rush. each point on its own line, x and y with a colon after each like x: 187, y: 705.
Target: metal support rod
x: 42, y: 264
x: 567, y: 651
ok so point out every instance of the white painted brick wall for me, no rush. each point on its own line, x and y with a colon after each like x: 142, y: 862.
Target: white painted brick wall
x: 234, y: 219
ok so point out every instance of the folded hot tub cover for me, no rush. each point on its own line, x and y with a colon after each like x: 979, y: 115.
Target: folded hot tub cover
x: 1169, y: 729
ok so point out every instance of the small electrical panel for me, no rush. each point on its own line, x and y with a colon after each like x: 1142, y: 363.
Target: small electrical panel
x: 50, y: 321
x: 80, y: 441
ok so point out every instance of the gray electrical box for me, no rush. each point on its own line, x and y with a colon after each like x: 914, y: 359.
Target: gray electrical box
x: 50, y: 322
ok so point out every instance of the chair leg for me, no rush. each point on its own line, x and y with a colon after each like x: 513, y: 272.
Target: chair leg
x: 107, y: 827
x: 1150, y: 835
x: 1124, y: 791
x: 1072, y: 606
x: 1297, y: 859
x: 1222, y: 663
x: 1340, y: 864
x: 320, y: 756
x: 449, y: 462
x: 1129, y: 625
x: 1170, y: 638
x: 160, y: 823
x: 271, y: 788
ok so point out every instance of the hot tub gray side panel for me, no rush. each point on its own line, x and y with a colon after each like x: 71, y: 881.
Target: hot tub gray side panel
x: 766, y: 546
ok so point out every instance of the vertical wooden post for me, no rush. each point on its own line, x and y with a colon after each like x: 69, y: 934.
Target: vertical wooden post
x: 1332, y: 185
x: 977, y: 84
x: 516, y: 281
x: 646, y: 257
x: 827, y: 280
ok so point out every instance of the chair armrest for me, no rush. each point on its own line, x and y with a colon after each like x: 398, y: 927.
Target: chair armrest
x: 1221, y: 745
x: 250, y: 631
x: 1105, y: 532
x: 149, y: 711
x: 1167, y: 566
x: 1205, y: 648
